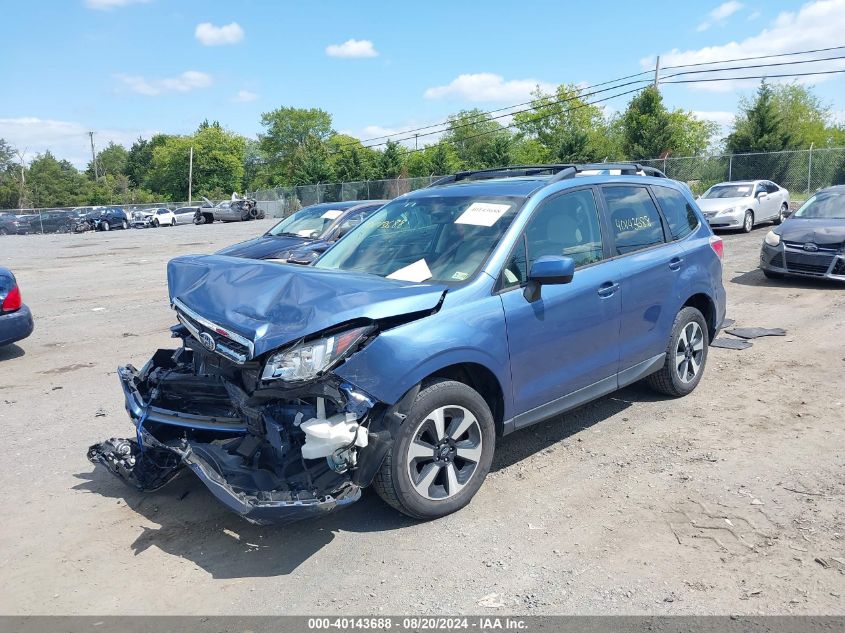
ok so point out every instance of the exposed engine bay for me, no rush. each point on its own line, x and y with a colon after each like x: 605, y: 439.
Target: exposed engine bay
x: 270, y: 453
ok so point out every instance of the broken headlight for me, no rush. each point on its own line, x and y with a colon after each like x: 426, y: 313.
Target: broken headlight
x: 309, y: 358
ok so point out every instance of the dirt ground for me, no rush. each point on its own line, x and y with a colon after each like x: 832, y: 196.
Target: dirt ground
x: 727, y: 501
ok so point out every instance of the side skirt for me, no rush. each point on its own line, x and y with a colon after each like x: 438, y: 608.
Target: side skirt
x: 584, y: 395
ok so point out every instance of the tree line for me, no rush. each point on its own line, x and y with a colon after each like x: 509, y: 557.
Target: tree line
x: 299, y: 146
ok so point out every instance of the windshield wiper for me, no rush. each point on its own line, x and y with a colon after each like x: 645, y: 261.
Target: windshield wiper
x: 288, y: 234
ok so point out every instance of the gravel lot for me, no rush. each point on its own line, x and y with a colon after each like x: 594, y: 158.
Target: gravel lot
x: 727, y: 501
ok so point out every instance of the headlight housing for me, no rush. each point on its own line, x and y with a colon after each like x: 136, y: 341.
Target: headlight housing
x: 729, y: 210
x: 307, y: 359
x: 772, y: 238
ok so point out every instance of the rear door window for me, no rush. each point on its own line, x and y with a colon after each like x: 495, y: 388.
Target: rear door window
x: 635, y: 222
x: 677, y: 210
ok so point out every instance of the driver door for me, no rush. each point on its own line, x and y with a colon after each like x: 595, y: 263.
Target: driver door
x: 564, y: 346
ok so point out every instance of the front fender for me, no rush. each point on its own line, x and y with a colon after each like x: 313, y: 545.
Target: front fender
x: 403, y: 356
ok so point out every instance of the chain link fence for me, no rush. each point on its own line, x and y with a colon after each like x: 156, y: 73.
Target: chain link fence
x: 802, y: 172
x: 280, y: 202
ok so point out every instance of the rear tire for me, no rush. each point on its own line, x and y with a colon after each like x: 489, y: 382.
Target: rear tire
x: 454, y: 423
x: 781, y: 214
x: 748, y: 222
x: 686, y: 355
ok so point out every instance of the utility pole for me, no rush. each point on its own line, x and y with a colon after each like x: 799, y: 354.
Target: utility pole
x: 21, y: 193
x: 190, y: 174
x: 416, y: 138
x: 93, y: 157
x: 657, y: 73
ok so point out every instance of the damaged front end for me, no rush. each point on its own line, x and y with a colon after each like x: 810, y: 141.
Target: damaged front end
x: 271, y: 450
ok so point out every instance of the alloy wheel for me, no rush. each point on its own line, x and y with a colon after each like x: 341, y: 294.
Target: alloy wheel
x: 749, y: 222
x: 444, y: 452
x: 689, y: 352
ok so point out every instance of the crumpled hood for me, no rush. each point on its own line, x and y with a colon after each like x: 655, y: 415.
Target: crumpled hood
x: 720, y: 204
x: 264, y: 247
x: 823, y: 232
x: 274, y: 304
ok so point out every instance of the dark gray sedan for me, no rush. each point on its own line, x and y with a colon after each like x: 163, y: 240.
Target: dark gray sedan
x: 811, y: 242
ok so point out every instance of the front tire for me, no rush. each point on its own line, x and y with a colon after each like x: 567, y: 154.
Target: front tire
x: 105, y: 225
x: 442, y: 452
x: 748, y: 222
x: 686, y: 355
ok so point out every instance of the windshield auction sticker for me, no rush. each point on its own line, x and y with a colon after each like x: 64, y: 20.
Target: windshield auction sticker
x: 482, y: 213
x: 416, y: 272
x: 331, y: 214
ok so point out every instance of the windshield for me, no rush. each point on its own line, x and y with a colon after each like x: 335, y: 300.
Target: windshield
x: 307, y: 222
x: 729, y: 191
x: 420, y: 239
x: 828, y: 205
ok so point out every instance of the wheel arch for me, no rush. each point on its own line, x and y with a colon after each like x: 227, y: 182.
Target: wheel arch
x: 704, y: 304
x: 481, y: 379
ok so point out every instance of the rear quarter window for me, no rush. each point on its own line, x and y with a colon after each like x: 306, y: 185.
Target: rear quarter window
x: 634, y: 220
x: 678, y: 212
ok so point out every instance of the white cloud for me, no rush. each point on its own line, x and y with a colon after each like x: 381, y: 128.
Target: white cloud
x: 753, y: 15
x: 352, y: 49
x: 488, y: 87
x: 244, y: 96
x: 720, y: 13
x: 106, y: 5
x: 64, y: 139
x: 816, y: 25
x: 210, y: 35
x: 187, y: 81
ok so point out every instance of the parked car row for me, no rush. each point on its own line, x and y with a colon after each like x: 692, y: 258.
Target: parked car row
x: 108, y: 218
x: 440, y: 320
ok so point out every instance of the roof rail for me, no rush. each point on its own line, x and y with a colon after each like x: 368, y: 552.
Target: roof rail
x: 497, y: 172
x: 557, y: 171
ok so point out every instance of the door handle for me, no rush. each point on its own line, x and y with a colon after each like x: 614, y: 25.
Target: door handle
x: 675, y: 263
x: 607, y: 289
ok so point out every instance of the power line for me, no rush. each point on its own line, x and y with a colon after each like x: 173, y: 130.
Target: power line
x: 627, y: 92
x: 604, y: 83
x: 746, y: 59
x: 716, y: 70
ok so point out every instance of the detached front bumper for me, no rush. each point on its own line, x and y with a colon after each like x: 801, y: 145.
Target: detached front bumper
x: 790, y: 259
x: 244, y: 470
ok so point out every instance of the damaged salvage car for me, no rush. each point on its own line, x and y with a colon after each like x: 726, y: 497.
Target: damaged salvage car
x: 453, y: 315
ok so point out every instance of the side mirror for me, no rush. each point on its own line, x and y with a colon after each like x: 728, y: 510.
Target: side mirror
x: 549, y: 269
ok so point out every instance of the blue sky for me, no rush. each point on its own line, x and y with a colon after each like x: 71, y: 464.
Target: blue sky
x: 129, y: 67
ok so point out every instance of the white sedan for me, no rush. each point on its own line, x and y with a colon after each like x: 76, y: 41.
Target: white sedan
x: 160, y: 216
x: 744, y: 204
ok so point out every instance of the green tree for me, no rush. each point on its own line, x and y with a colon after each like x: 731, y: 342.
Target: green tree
x: 760, y: 126
x: 646, y: 126
x: 310, y: 163
x: 390, y: 161
x: 112, y: 160
x: 140, y: 157
x: 471, y: 133
x: 55, y: 183
x: 286, y: 130
x: 218, y: 163
x: 569, y: 128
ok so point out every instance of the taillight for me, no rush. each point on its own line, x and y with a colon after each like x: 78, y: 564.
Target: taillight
x: 717, y: 245
x: 12, y: 301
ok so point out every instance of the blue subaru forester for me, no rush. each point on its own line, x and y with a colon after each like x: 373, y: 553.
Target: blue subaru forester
x: 461, y: 312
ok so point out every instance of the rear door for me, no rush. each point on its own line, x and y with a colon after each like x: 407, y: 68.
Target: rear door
x: 651, y: 262
x: 567, y: 340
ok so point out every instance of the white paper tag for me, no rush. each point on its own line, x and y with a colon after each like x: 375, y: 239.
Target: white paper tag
x: 305, y: 232
x: 482, y: 213
x: 743, y: 189
x: 416, y: 272
x: 331, y: 214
